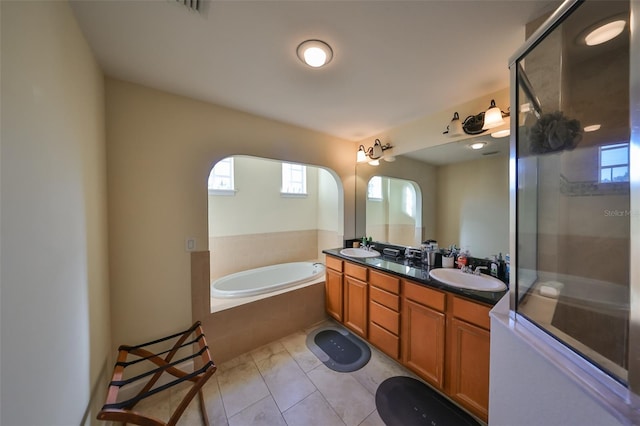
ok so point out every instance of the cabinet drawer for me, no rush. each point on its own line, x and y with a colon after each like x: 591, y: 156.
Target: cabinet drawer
x: 384, y: 281
x: 472, y: 312
x: 333, y: 263
x: 425, y: 296
x: 387, y: 342
x: 384, y: 317
x: 355, y: 271
x: 384, y: 298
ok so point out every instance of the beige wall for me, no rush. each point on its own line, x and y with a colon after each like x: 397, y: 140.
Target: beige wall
x: 161, y: 149
x: 473, y: 205
x: 55, y: 294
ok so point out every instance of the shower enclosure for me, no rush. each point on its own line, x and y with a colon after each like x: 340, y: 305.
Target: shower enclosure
x: 575, y: 189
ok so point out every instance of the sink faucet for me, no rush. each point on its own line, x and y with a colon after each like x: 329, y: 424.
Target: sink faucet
x: 479, y: 269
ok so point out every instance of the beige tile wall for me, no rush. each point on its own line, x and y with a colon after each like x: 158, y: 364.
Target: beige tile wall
x: 237, y: 253
x: 235, y: 331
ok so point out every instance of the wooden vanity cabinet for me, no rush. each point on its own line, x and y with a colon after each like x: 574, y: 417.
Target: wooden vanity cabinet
x: 423, y: 332
x: 384, y: 313
x: 356, y: 298
x: 468, y: 355
x: 334, y: 287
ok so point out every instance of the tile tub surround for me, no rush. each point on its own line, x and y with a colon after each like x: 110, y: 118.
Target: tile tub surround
x: 240, y: 329
x: 237, y: 253
x: 283, y: 383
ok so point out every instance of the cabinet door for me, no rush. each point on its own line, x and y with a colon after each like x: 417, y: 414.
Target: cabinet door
x: 333, y: 293
x: 469, y: 364
x: 355, y: 305
x: 423, y: 331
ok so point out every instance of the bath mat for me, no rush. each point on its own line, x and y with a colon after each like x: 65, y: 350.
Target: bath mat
x: 405, y: 401
x: 338, y: 349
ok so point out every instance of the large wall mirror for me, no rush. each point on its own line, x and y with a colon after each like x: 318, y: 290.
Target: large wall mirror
x: 464, y: 196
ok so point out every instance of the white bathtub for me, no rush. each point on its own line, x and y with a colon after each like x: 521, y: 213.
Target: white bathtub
x: 266, y: 279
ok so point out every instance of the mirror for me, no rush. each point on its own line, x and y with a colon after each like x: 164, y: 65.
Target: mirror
x: 465, y: 194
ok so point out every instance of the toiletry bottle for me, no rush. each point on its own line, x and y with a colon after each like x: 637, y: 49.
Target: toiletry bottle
x: 494, y: 266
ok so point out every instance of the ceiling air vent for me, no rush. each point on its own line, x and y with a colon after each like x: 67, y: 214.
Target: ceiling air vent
x: 191, y: 4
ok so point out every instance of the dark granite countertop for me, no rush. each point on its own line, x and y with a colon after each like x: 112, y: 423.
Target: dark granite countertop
x: 418, y: 273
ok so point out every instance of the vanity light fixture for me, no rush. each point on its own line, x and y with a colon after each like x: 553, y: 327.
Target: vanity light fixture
x: 493, y: 117
x: 592, y: 128
x: 455, y: 126
x: 605, y: 32
x: 374, y: 153
x: 315, y: 53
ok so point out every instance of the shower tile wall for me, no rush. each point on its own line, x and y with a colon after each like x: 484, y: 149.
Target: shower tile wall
x: 242, y: 252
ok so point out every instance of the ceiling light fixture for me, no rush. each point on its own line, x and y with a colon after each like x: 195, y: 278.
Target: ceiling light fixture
x: 605, y: 32
x: 374, y: 153
x: 315, y: 53
x: 477, y: 145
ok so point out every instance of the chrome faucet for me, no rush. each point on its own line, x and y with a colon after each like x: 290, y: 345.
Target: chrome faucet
x: 479, y: 269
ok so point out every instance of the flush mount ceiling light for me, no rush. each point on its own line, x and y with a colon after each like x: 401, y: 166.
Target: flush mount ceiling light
x: 374, y: 153
x: 314, y: 53
x: 477, y: 145
x: 605, y: 32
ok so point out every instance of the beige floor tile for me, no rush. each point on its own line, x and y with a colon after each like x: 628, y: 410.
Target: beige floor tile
x: 267, y: 350
x: 213, y: 402
x: 263, y: 413
x: 296, y: 345
x: 284, y: 378
x: 158, y: 406
x: 241, y: 387
x: 232, y: 363
x: 379, y: 368
x: 374, y: 419
x: 349, y: 399
x: 312, y: 411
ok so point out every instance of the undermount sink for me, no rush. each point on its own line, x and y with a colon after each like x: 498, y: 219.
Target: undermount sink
x: 457, y: 278
x: 359, y: 252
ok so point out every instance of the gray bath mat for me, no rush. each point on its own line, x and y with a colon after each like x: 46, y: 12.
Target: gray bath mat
x: 338, y: 349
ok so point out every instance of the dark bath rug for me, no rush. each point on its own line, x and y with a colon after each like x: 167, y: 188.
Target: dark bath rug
x: 405, y: 401
x: 338, y: 349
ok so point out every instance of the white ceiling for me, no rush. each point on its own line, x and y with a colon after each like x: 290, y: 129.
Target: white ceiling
x: 394, y: 61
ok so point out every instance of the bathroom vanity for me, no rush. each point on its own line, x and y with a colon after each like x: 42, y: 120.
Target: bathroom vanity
x: 441, y: 333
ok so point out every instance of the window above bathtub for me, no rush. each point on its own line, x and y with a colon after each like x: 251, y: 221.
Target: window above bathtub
x: 294, y: 180
x: 221, y: 180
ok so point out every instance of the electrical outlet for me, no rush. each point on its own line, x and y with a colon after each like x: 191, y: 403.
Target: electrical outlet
x: 190, y: 244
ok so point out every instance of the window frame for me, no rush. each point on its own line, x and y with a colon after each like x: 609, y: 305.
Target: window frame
x: 287, y: 171
x: 231, y: 176
x: 601, y: 168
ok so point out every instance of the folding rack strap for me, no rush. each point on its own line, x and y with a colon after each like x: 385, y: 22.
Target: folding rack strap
x: 122, y: 411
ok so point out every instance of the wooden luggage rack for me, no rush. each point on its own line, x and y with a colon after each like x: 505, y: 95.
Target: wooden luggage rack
x: 122, y: 411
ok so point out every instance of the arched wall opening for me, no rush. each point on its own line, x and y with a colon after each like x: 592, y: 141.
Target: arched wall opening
x: 257, y: 223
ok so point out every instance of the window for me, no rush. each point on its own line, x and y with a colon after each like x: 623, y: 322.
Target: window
x: 409, y: 201
x: 614, y: 163
x: 374, y: 189
x: 294, y: 179
x: 221, y: 178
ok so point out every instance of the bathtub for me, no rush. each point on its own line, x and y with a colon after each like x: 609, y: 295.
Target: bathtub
x: 266, y: 279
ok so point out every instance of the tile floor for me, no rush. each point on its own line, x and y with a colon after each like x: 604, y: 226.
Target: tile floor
x: 283, y: 383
